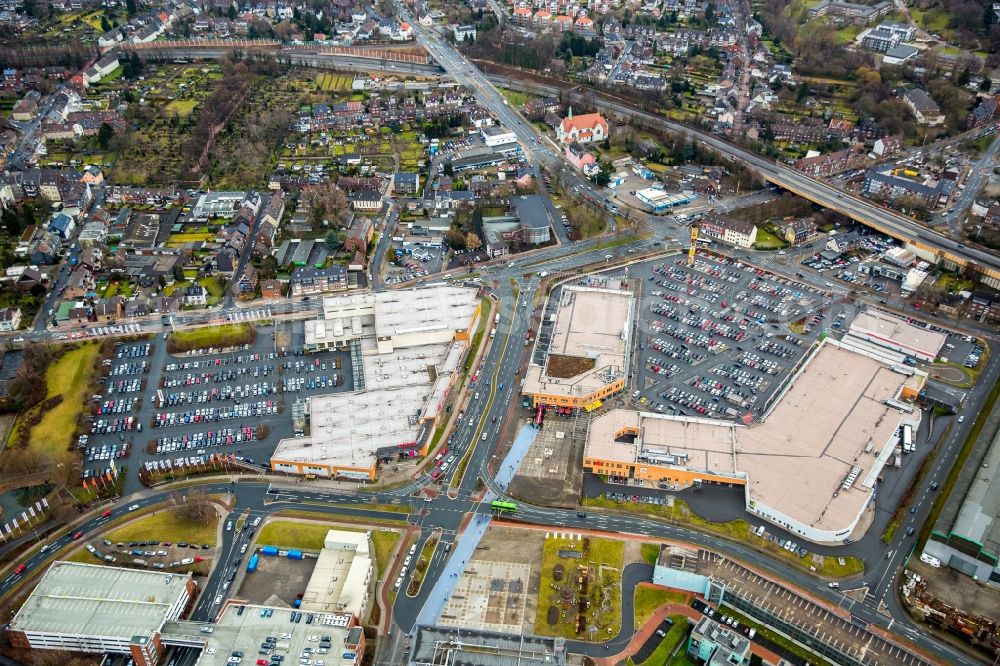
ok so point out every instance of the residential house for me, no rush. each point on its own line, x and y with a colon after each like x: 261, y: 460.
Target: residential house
x: 578, y: 156
x: 247, y: 282
x: 464, y: 33
x: 25, y: 110
x: 29, y: 279
x: 982, y: 113
x: 360, y: 234
x: 270, y: 288
x: 274, y: 209
x: 62, y: 224
x: 925, y: 109
x: 992, y: 216
x: 880, y: 40
x: 10, y: 319
x: 740, y: 233
x: 888, y: 146
x: 308, y: 281
x: 830, y: 163
x: 46, y: 248
x: 369, y: 200
x: 406, y: 183
x: 799, y: 230
x: 196, y: 295
x: 587, y: 128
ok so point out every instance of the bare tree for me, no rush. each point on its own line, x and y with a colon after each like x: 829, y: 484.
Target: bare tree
x: 193, y: 506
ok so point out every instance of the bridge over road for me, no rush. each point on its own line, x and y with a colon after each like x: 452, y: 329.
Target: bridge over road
x: 927, y: 243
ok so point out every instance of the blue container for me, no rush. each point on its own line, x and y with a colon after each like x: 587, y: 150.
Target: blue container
x: 269, y: 550
x: 252, y: 564
x: 295, y: 554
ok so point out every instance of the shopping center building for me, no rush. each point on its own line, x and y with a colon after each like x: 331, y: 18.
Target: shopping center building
x: 582, y: 348
x: 810, y: 465
x: 407, y: 349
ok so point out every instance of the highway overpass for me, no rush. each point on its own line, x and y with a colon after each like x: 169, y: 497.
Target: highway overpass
x: 928, y: 244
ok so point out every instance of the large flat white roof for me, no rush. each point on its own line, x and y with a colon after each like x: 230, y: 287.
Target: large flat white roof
x: 428, y: 309
x: 889, y: 328
x: 833, y: 418
x: 89, y: 599
x: 346, y: 429
x: 591, y: 323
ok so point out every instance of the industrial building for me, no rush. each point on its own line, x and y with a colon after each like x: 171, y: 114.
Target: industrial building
x: 406, y: 348
x: 588, y: 343
x: 895, y: 333
x: 966, y: 536
x: 809, y: 464
x: 89, y: 608
x: 436, y: 645
x: 342, y: 578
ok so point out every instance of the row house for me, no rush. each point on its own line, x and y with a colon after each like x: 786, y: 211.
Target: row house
x: 831, y: 163
x: 309, y: 281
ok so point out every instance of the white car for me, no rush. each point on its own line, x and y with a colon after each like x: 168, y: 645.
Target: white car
x: 218, y: 600
x: 133, y: 507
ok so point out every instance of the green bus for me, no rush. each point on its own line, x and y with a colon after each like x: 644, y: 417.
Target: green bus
x: 504, y: 507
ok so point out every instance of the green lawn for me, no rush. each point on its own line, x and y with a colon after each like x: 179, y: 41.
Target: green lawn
x: 604, y: 562
x: 310, y: 536
x: 69, y: 376
x: 293, y: 534
x: 650, y: 552
x: 649, y: 598
x: 737, y: 530
x: 164, y: 525
x: 677, y: 634
x: 767, y: 241
x: 229, y: 335
x: 181, y: 107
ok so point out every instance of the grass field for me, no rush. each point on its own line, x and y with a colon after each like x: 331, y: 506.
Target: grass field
x: 164, y: 525
x: 674, y: 637
x: 333, y: 82
x: 768, y: 241
x: 649, y: 598
x: 176, y: 240
x: 69, y: 377
x: 737, y: 530
x: 603, y: 561
x: 310, y: 536
x: 229, y: 335
x: 650, y: 552
x: 181, y: 107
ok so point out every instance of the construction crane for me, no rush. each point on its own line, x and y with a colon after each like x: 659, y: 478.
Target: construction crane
x: 694, y: 245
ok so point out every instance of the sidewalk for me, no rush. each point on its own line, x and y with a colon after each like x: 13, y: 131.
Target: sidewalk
x: 643, y: 634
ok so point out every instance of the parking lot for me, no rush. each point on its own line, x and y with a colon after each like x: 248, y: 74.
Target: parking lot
x: 716, y: 339
x: 157, y: 407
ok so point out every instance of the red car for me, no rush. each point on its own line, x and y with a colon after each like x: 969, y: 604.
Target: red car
x: 20, y: 569
x: 78, y: 536
x: 106, y: 514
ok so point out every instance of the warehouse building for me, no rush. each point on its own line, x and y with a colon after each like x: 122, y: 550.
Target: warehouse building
x: 89, y: 608
x: 809, y: 466
x: 895, y: 333
x: 585, y: 359
x: 407, y: 347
